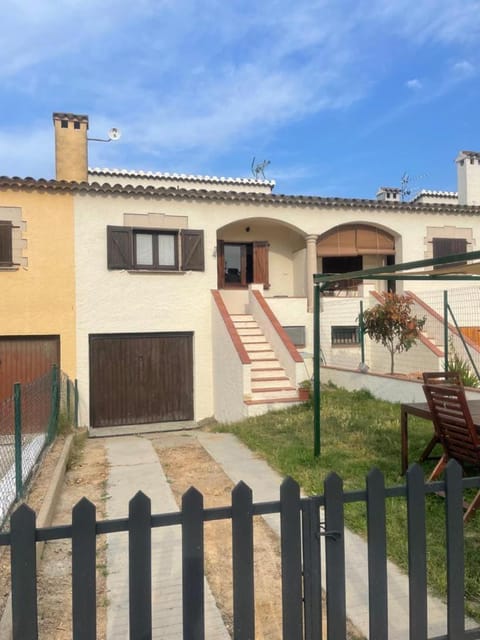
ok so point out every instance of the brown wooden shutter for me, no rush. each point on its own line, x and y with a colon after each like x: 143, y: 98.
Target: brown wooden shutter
x: 193, y: 255
x: 220, y: 264
x: 119, y: 247
x: 5, y: 242
x: 448, y: 246
x: 260, y: 263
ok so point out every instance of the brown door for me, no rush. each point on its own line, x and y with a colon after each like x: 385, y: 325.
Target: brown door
x: 241, y: 263
x: 26, y: 358
x: 140, y: 378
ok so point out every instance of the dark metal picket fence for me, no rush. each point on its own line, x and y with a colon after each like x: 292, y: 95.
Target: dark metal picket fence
x: 303, y: 525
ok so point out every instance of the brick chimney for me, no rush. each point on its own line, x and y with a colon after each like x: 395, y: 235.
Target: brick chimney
x: 71, y: 152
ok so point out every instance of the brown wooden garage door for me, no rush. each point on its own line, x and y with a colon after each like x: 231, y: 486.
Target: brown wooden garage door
x: 26, y: 358
x: 140, y: 378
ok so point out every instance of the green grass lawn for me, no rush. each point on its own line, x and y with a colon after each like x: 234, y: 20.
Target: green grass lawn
x: 359, y: 432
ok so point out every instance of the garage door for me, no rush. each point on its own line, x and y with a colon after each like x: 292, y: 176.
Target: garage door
x: 26, y: 358
x: 140, y: 378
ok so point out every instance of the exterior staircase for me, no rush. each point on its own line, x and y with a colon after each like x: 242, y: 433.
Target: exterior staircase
x: 269, y: 383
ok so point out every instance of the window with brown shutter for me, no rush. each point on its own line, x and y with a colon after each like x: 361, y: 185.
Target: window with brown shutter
x: 6, y: 259
x: 146, y: 249
x: 443, y: 247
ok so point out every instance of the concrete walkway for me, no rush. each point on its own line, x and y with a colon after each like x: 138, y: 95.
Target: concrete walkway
x: 135, y: 466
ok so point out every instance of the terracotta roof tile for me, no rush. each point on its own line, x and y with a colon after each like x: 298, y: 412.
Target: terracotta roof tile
x: 31, y: 184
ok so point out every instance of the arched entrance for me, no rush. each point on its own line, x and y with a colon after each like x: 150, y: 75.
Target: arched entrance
x: 353, y: 247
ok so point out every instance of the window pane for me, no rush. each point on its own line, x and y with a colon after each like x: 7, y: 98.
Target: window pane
x: 144, y: 249
x: 166, y: 250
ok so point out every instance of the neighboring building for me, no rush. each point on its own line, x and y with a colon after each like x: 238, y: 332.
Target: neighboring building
x: 37, y: 310
x: 168, y: 269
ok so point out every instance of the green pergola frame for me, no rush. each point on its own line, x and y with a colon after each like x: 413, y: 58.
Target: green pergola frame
x: 446, y: 268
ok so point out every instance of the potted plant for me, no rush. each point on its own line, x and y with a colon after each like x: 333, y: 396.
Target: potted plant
x: 305, y: 390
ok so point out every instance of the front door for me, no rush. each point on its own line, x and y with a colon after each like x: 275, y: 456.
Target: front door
x: 242, y: 263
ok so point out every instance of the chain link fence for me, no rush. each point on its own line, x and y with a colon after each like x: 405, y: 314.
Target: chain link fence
x: 461, y: 309
x: 28, y: 422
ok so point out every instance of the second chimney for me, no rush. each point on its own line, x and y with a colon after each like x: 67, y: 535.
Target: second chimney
x: 71, y: 151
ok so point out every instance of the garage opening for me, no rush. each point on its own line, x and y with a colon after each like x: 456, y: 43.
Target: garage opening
x: 140, y: 378
x: 26, y: 358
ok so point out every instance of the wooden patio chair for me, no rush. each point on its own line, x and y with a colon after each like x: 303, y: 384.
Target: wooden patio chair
x: 455, y: 430
x: 437, y: 377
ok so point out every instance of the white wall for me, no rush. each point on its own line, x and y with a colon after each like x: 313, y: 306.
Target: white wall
x: 118, y: 301
x: 418, y: 358
x: 231, y: 378
x: 383, y: 387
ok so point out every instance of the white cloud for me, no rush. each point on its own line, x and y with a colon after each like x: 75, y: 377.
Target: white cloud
x: 463, y: 69
x: 196, y: 77
x: 414, y: 84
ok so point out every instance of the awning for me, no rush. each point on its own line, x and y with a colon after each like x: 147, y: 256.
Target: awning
x: 355, y: 240
x: 445, y: 268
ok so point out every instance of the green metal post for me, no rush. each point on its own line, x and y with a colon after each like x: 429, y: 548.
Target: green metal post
x: 68, y: 399
x: 76, y: 403
x: 445, y: 328
x: 52, y: 425
x: 362, y: 333
x: 316, y: 370
x: 17, y: 399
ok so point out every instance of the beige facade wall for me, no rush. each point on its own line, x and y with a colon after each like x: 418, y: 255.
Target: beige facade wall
x: 122, y: 301
x: 38, y: 296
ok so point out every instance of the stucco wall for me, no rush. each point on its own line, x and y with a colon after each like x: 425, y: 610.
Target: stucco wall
x: 384, y: 387
x: 231, y: 378
x: 38, y: 298
x: 117, y: 301
x: 418, y: 358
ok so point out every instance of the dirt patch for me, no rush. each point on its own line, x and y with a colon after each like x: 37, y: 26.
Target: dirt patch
x: 34, y: 498
x: 190, y: 465
x: 85, y: 476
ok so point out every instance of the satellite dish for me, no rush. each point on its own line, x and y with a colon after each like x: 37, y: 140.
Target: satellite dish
x: 114, y: 134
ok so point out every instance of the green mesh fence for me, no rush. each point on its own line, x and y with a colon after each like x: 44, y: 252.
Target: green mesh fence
x: 463, y: 317
x: 28, y: 422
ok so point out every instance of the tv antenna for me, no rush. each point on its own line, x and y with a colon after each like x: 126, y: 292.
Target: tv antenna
x: 113, y: 134
x: 405, y: 184
x: 258, y: 170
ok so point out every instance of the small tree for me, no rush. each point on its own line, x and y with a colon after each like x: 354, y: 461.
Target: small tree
x: 392, y: 323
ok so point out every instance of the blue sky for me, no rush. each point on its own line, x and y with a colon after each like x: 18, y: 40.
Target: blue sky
x: 340, y: 96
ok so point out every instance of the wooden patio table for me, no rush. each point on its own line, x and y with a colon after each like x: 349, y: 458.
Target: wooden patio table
x: 421, y: 410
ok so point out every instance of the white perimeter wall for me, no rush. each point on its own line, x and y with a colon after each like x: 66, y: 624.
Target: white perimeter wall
x: 383, y: 387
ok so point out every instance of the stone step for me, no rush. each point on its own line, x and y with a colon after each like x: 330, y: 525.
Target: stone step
x: 239, y: 325
x: 253, y: 331
x: 270, y: 383
x: 257, y: 346
x: 264, y: 354
x: 250, y: 339
x: 273, y: 394
x: 262, y: 365
x: 241, y: 317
